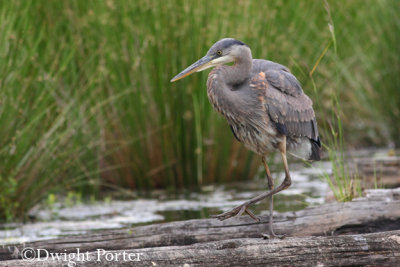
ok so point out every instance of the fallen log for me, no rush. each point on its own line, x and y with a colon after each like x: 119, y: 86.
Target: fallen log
x: 377, y: 211
x: 377, y: 171
x: 376, y: 249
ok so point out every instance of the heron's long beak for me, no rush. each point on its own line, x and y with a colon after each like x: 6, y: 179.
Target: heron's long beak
x: 201, y: 64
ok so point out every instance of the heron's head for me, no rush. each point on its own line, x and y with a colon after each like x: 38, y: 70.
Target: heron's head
x: 224, y: 51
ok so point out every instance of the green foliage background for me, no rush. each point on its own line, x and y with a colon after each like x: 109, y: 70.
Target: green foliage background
x: 85, y: 97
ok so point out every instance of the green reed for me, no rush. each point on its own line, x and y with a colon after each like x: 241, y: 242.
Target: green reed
x: 86, y: 102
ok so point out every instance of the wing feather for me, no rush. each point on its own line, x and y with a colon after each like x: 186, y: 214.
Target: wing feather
x: 288, y: 107
x: 284, y: 81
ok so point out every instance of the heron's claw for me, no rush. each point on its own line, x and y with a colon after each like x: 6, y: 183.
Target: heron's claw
x: 272, y: 236
x: 236, y: 212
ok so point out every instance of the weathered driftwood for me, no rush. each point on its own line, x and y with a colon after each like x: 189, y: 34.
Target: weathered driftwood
x: 376, y: 249
x: 382, y: 171
x: 378, y: 211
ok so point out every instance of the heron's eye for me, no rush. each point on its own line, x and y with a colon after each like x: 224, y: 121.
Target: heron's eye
x: 219, y: 53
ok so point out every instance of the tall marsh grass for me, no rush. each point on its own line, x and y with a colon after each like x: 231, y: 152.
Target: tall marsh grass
x: 85, y: 98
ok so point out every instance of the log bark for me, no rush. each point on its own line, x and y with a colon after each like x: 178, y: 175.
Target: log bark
x: 376, y: 249
x: 378, y: 211
x: 383, y: 171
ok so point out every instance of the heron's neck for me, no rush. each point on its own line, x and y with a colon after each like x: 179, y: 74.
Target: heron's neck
x: 240, y: 71
x: 223, y: 83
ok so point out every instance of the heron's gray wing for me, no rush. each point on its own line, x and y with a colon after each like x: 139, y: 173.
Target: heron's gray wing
x: 278, y: 76
x: 284, y: 81
x: 287, y: 106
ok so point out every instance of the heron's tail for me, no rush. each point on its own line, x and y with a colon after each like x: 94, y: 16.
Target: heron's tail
x: 315, y: 149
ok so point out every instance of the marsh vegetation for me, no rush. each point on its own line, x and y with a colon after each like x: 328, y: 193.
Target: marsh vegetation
x: 86, y: 104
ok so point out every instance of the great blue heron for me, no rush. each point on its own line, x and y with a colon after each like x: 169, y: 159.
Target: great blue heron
x: 265, y: 107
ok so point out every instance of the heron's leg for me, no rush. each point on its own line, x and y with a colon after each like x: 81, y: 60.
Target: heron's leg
x: 271, y: 198
x: 237, y: 211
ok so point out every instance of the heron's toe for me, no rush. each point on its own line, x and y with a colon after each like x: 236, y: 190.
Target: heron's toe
x: 236, y: 212
x: 272, y: 236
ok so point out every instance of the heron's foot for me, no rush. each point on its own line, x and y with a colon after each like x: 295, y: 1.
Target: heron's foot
x: 236, y: 212
x: 272, y: 236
